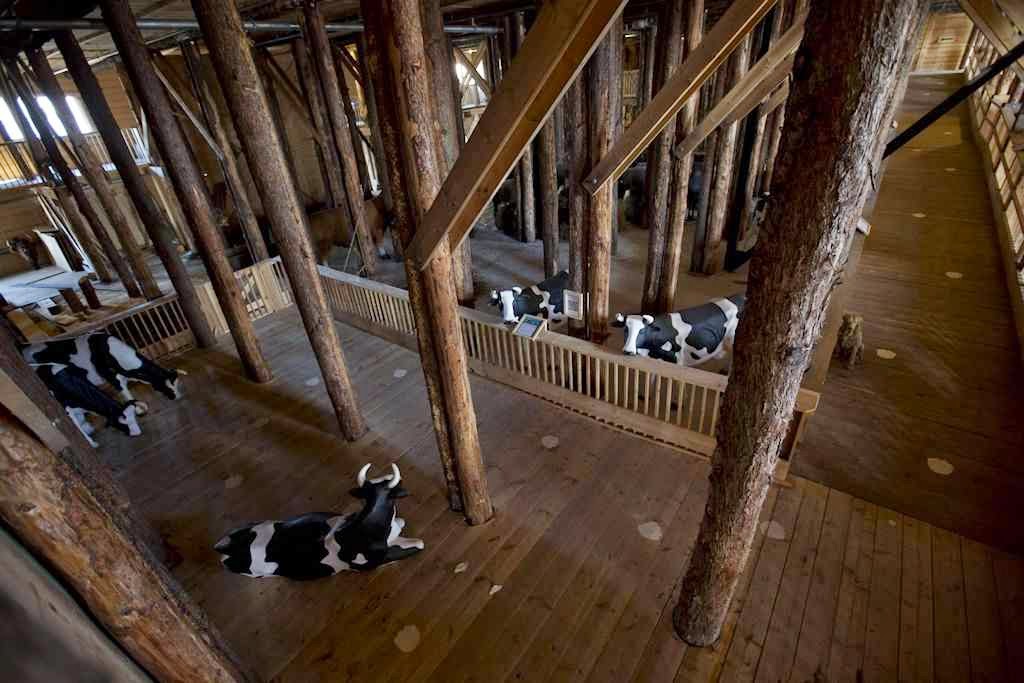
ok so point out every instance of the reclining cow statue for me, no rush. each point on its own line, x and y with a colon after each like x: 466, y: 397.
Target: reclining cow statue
x: 546, y: 299
x: 71, y: 387
x: 690, y: 337
x: 320, y: 544
x: 107, y: 359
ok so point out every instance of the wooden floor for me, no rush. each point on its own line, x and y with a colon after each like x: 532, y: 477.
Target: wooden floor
x: 955, y: 389
x: 561, y: 585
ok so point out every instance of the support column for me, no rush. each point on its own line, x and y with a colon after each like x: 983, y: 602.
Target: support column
x: 577, y: 140
x: 229, y: 164
x: 188, y: 183
x: 843, y: 90
x: 449, y: 111
x: 659, y: 154
x: 353, y: 129
x: 232, y: 58
x: 327, y: 153
x: 396, y: 58
x: 527, y: 200
x: 84, y: 234
x: 323, y: 62
x: 371, y: 113
x: 682, y: 167
x: 153, y: 220
x: 604, y: 73
x: 650, y: 38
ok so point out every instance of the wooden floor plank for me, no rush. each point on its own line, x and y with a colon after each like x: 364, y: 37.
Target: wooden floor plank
x: 776, y: 662
x: 881, y: 647
x: 815, y: 635
x: 952, y: 643
x: 916, y: 604
x: 984, y: 629
x: 1009, y: 577
x: 847, y: 651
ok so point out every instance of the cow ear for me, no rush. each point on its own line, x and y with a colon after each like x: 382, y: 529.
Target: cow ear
x: 517, y: 290
x: 648, y: 319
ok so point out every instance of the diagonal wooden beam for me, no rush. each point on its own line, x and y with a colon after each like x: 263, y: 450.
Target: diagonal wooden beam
x: 777, y: 56
x: 561, y: 40
x: 995, y: 26
x: 472, y: 70
x: 699, y: 66
x: 777, y: 98
x: 768, y: 85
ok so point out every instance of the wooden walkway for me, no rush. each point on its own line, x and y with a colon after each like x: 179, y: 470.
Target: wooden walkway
x: 931, y: 289
x: 562, y: 585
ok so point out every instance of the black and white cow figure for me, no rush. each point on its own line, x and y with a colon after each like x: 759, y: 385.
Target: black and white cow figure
x: 690, y: 337
x: 71, y: 387
x: 107, y: 359
x: 546, y: 299
x: 321, y: 544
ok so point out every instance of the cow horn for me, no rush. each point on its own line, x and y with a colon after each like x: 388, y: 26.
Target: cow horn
x: 361, y: 477
x: 620, y: 318
x: 396, y: 476
x: 181, y: 372
x: 648, y: 319
x: 494, y: 295
x: 517, y: 290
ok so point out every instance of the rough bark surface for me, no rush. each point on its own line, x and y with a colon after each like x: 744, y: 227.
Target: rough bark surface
x: 527, y: 199
x: 576, y: 134
x: 85, y: 234
x: 159, y: 230
x: 547, y: 169
x: 843, y: 89
x: 188, y: 182
x: 261, y: 140
x: 398, y: 60
x: 682, y: 166
x: 659, y: 154
x: 327, y: 154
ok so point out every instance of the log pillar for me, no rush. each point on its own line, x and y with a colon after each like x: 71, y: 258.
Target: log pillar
x: 659, y: 154
x: 371, y: 113
x: 449, y: 113
x: 229, y: 164
x: 233, y: 61
x: 682, y: 167
x: 527, y: 200
x: 604, y: 74
x: 578, y: 154
x: 91, y: 297
x: 650, y: 40
x: 154, y: 221
x: 188, y: 183
x: 323, y: 62
x: 353, y: 128
x: 846, y: 74
x: 327, y: 153
x: 85, y: 234
x: 396, y: 58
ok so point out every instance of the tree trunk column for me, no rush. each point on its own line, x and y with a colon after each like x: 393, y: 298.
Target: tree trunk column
x: 682, y: 167
x: 232, y: 58
x: 323, y: 61
x: 397, y: 60
x: 154, y: 221
x: 659, y: 155
x: 188, y: 182
x: 843, y: 85
x: 85, y: 234
x: 326, y: 152
x: 449, y: 111
x: 527, y: 201
x: 577, y: 141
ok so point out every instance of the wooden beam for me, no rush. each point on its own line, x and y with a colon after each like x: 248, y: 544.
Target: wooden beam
x: 183, y: 107
x: 768, y: 86
x: 731, y: 29
x: 766, y: 68
x: 188, y: 182
x: 527, y: 195
x: 233, y: 61
x: 472, y: 70
x: 995, y: 26
x: 353, y: 124
x: 778, y: 97
x: 561, y: 40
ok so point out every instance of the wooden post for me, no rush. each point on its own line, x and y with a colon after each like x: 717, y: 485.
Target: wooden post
x: 265, y: 63
x: 232, y: 58
x: 604, y: 73
x: 84, y: 233
x: 92, y: 169
x: 713, y: 257
x: 577, y: 140
x: 659, y: 155
x: 371, y: 113
x: 396, y: 58
x: 89, y: 291
x: 327, y: 153
x: 229, y: 164
x: 160, y: 232
x: 449, y: 112
x: 527, y: 200
x: 547, y: 169
x: 323, y: 62
x: 650, y: 38
x: 682, y: 167
x: 353, y: 129
x: 71, y: 299
x: 847, y: 72
x: 188, y: 183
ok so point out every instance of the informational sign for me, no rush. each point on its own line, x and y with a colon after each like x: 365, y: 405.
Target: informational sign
x: 573, y: 304
x: 530, y: 326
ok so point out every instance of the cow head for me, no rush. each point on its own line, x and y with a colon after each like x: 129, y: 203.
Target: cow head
x: 634, y: 332
x: 127, y: 422
x: 506, y: 299
x: 378, y: 489
x: 168, y: 383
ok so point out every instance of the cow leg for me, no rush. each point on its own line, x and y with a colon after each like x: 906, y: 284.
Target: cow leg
x: 141, y: 408
x: 408, y: 543
x: 77, y: 416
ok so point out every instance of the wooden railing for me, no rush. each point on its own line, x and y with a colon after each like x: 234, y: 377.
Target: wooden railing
x: 264, y: 289
x: 157, y: 328
x: 657, y: 400
x: 997, y: 115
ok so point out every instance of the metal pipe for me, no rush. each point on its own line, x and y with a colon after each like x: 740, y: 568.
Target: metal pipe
x: 15, y: 24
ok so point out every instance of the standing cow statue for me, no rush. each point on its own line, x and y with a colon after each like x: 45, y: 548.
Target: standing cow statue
x: 546, y: 299
x: 71, y: 387
x: 320, y: 544
x: 690, y: 337
x: 108, y: 360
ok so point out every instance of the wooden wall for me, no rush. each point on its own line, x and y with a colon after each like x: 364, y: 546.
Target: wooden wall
x: 944, y: 42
